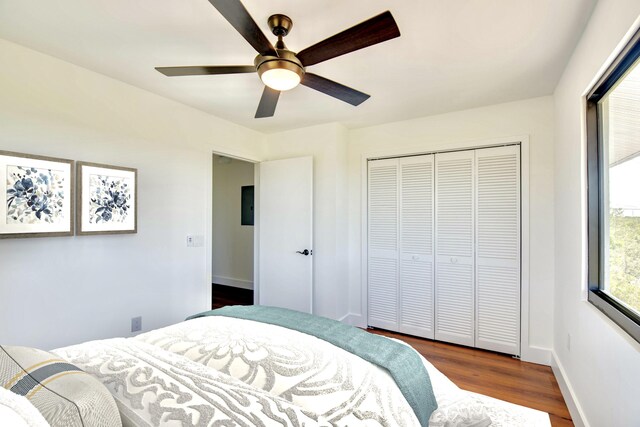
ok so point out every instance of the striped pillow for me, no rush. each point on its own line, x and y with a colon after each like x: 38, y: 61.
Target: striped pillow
x: 64, y: 394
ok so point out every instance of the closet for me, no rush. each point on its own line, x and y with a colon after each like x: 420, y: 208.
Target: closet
x: 443, y: 256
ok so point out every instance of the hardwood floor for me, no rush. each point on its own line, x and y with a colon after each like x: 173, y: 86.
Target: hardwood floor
x: 493, y: 374
x: 226, y: 295
x: 496, y: 375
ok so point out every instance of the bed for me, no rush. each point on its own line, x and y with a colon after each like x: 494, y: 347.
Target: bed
x: 227, y: 371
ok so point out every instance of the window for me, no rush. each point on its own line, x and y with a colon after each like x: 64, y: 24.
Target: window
x: 613, y: 155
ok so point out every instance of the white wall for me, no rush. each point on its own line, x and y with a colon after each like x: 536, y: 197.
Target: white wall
x: 602, y: 366
x: 328, y: 146
x: 232, y: 250
x: 58, y: 291
x: 532, y: 117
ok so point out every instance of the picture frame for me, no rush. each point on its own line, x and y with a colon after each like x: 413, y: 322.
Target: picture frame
x: 36, y: 196
x: 107, y: 199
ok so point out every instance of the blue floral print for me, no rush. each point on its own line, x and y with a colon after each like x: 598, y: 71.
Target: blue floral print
x: 34, y: 195
x: 110, y: 199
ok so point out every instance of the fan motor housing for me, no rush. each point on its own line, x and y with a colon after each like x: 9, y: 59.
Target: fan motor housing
x: 285, y: 60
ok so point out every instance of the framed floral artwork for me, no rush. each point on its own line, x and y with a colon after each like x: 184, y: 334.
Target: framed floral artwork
x: 36, y: 196
x: 107, y: 199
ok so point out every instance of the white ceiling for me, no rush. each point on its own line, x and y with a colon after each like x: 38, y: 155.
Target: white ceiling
x: 452, y: 54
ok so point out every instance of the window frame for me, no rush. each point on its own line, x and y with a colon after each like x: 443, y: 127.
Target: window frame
x: 624, y: 317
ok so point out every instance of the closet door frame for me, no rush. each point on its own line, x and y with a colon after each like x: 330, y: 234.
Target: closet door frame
x: 358, y: 315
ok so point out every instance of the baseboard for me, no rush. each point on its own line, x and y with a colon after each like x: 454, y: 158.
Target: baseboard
x: 234, y: 283
x: 539, y: 355
x: 354, y: 320
x: 577, y: 414
x: 532, y: 354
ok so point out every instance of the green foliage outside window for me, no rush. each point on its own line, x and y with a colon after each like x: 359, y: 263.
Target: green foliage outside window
x: 624, y: 258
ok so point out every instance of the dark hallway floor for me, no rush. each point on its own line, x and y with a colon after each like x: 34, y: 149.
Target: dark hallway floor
x: 227, y: 295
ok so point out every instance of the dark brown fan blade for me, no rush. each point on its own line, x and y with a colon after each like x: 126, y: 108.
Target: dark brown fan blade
x: 200, y: 70
x: 235, y: 12
x: 372, y: 31
x: 268, y: 103
x: 331, y: 88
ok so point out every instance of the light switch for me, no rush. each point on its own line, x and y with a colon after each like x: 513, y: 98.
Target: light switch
x: 195, y: 241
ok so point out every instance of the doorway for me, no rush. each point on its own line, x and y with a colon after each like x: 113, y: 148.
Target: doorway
x: 262, y: 232
x: 232, y: 232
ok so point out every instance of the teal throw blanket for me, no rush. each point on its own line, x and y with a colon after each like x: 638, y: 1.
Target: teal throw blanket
x: 401, y: 361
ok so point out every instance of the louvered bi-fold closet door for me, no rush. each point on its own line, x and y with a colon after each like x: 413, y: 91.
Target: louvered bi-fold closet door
x: 498, y: 249
x: 454, y: 283
x: 383, y: 244
x: 416, y: 315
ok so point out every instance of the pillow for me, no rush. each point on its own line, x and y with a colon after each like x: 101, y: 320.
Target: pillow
x: 465, y: 412
x: 64, y: 394
x: 16, y: 411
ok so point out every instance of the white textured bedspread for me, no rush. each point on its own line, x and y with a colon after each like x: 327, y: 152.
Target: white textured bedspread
x: 311, y: 373
x: 222, y: 371
x: 153, y: 387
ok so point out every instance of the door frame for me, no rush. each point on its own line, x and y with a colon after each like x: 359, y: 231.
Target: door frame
x: 527, y: 352
x: 209, y: 224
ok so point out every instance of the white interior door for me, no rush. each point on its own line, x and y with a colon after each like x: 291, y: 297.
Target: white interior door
x: 454, y: 288
x: 285, y: 227
x: 498, y: 249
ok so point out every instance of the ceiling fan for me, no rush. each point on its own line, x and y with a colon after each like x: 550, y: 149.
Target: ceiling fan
x: 281, y: 69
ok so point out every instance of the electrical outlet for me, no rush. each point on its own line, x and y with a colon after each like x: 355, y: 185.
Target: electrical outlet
x: 568, y: 342
x: 136, y: 324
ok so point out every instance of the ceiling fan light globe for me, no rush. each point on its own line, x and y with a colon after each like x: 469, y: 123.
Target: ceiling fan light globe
x: 280, y: 79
